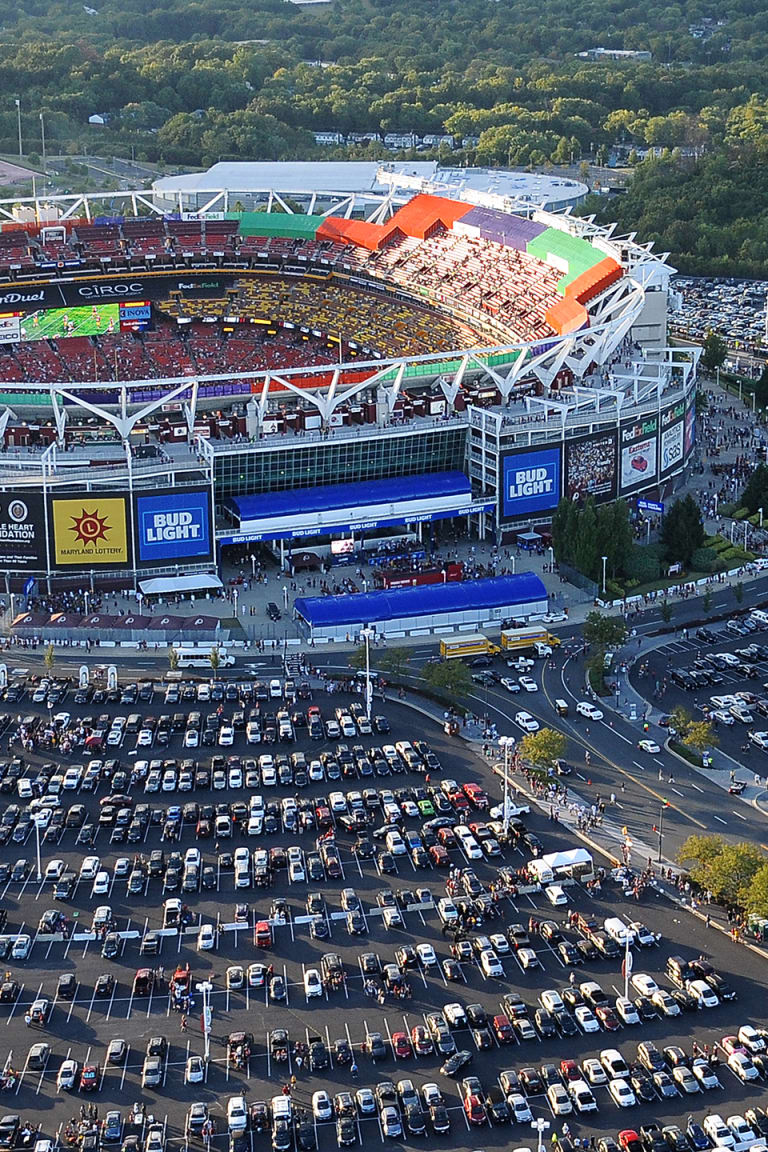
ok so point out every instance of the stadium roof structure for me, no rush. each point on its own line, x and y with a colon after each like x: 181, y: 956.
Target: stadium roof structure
x: 290, y: 176
x: 501, y: 592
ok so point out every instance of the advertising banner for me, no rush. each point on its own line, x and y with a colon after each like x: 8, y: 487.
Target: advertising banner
x: 639, y: 459
x: 173, y: 525
x: 89, y: 531
x: 689, y: 437
x: 590, y: 467
x: 22, y: 531
x: 671, y: 439
x: 111, y: 290
x: 529, y: 482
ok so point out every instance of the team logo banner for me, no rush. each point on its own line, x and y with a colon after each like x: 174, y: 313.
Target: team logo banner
x: 530, y: 482
x: 173, y: 526
x: 89, y: 530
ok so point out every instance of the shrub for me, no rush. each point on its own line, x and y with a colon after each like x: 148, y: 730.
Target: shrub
x: 644, y: 564
x: 703, y: 559
x: 613, y: 590
x: 740, y: 514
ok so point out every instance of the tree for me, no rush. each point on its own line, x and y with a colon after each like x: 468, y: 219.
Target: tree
x: 604, y: 632
x: 396, y: 661
x: 356, y: 658
x: 543, y: 747
x: 757, y: 896
x: 706, y: 600
x: 679, y: 719
x: 761, y: 389
x: 214, y: 657
x: 755, y: 494
x: 715, y: 351
x: 682, y: 531
x: 699, y: 736
x: 730, y: 874
x: 738, y: 591
x: 699, y: 851
x: 173, y: 659
x: 666, y: 611
x: 49, y: 658
x: 451, y: 677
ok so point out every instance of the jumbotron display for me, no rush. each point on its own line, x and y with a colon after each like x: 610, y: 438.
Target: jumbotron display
x: 65, y: 323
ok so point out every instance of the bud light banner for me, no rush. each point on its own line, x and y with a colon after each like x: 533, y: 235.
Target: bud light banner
x: 530, y: 483
x: 174, y: 525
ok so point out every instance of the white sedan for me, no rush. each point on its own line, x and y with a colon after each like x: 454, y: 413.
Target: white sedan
x: 622, y: 1093
x: 426, y: 955
x: 521, y: 1113
x: 759, y: 739
x: 194, y: 1072
x: 206, y: 938
x: 509, y: 684
x: 527, y: 722
x: 586, y: 1018
x: 649, y: 746
x: 741, y: 1066
x: 490, y: 963
x: 584, y: 708
x: 628, y: 1014
x: 555, y: 894
x: 313, y: 984
x: 191, y: 738
x: 322, y: 1109
x: 528, y: 684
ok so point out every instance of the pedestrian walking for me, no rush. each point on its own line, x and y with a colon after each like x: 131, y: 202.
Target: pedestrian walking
x: 28, y: 1020
x: 183, y: 1022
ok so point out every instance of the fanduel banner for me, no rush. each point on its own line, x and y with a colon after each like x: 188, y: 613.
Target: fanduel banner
x: 530, y: 482
x: 173, y: 525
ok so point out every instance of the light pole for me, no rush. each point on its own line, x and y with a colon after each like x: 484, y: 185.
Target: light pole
x: 540, y: 1125
x: 507, y: 743
x: 85, y: 597
x: 627, y: 967
x: 660, y: 826
x: 36, y: 822
x: 367, y: 635
x: 42, y: 137
x: 234, y: 598
x: 18, y: 122
x: 514, y: 564
x: 205, y: 988
x: 745, y: 535
x: 551, y: 558
x: 605, y: 561
x: 761, y: 516
x: 253, y: 565
x: 285, y: 597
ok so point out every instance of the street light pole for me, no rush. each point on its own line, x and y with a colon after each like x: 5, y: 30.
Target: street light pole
x: 37, y: 846
x: 540, y: 1125
x: 506, y: 742
x: 367, y: 635
x: 605, y: 561
x: 661, y: 825
x: 42, y: 137
x: 205, y: 988
x: 18, y: 121
x: 761, y: 516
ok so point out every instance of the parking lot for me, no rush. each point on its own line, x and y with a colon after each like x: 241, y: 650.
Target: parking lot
x: 346, y: 858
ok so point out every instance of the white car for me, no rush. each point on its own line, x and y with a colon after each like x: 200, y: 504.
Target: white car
x: 114, y: 737
x: 71, y: 781
x: 191, y: 738
x: 67, y: 1077
x: 194, y: 1071
x: 594, y: 1073
x: 742, y: 1132
x: 584, y: 708
x: 101, y: 884
x: 665, y: 1003
x: 90, y: 867
x: 145, y: 738
x: 237, y: 1114
x: 22, y: 946
x: 527, y: 722
x: 626, y: 1010
x: 723, y: 717
x: 490, y: 963
x: 717, y: 1130
x: 447, y: 911
x: 586, y: 1018
x: 206, y: 938
x: 555, y: 894
x: 235, y: 778
x: 649, y: 746
x: 226, y: 740
x: 313, y: 984
x: 622, y: 1093
x: 193, y: 857
x: 426, y: 955
x: 759, y: 739
x: 322, y: 1108
x: 704, y: 1073
x: 528, y: 684
x: 751, y: 1039
x: 499, y: 943
x: 582, y: 1095
x: 257, y: 975
x: 644, y: 984
x: 53, y: 870
x: 551, y: 1000
x: 509, y: 684
x: 559, y: 1100
x: 518, y: 1106
x: 614, y: 1063
x: 741, y: 1066
x: 455, y: 1015
x: 528, y: 958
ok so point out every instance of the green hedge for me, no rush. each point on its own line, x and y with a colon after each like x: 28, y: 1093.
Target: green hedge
x: 686, y: 753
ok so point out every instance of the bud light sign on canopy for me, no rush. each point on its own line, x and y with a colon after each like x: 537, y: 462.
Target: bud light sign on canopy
x: 173, y: 526
x: 530, y: 483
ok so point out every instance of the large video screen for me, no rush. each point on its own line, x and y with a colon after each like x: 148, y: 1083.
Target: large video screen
x: 59, y: 323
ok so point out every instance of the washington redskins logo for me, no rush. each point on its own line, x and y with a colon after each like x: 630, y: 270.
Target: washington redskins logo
x: 89, y: 528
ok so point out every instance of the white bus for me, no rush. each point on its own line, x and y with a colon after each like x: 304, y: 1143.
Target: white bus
x: 199, y: 656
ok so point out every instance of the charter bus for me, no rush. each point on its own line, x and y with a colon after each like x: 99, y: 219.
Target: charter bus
x: 199, y: 656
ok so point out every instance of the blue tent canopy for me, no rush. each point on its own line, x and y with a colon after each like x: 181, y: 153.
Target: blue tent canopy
x: 427, y: 600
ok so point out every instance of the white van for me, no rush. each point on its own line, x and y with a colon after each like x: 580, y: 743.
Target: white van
x: 617, y: 930
x: 542, y: 871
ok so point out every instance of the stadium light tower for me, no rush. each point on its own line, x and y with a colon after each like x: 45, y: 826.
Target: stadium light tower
x: 42, y: 138
x: 18, y: 122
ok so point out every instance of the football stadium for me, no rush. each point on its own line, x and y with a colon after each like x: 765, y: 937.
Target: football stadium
x: 320, y: 375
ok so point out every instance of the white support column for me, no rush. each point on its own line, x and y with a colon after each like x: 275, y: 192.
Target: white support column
x: 190, y: 410
x: 59, y: 416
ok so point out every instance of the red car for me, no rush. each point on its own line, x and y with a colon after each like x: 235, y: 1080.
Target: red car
x: 439, y: 856
x: 421, y: 1040
x: 475, y: 794
x: 447, y: 837
x: 89, y: 1078
x: 459, y: 801
x: 474, y: 1110
x: 401, y: 1045
x: 569, y: 1070
x: 503, y: 1029
x: 607, y: 1017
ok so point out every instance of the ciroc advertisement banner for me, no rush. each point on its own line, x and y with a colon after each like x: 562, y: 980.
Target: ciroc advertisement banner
x: 174, y: 526
x: 530, y: 482
x: 671, y: 447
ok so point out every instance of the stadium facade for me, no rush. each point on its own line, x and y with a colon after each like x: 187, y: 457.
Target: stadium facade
x: 420, y: 354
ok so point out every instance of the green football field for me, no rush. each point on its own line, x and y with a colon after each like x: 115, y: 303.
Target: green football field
x: 56, y: 323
